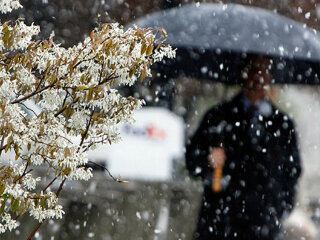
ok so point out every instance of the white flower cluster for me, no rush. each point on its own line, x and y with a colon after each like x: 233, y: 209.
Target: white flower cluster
x: 164, y: 51
x: 17, y: 36
x: 40, y: 214
x: 9, y: 5
x: 58, y: 103
x: 52, y: 210
x: 23, y: 35
x: 7, y: 223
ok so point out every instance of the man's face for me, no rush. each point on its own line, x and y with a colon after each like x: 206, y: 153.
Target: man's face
x: 258, y: 77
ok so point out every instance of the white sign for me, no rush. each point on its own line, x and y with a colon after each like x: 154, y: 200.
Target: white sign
x: 148, y: 146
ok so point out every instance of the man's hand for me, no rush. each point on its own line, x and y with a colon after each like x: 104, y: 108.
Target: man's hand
x: 217, y: 157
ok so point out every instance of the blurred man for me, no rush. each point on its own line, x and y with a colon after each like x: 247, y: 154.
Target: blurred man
x: 246, y: 152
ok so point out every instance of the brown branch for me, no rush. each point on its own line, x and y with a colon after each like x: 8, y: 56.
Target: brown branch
x: 24, y: 173
x: 60, y: 187
x: 50, y: 165
x: 40, y: 83
x: 25, y: 119
x: 25, y: 169
x: 34, y: 230
x: 29, y: 109
x: 86, y: 131
x: 108, y: 79
x: 16, y: 217
x: 4, y: 147
x: 87, y: 147
x: 39, y: 224
x: 64, y: 108
x: 37, y: 91
x: 66, y: 97
x: 32, y: 94
x: 2, y: 142
x: 65, y: 138
x: 50, y: 183
x: 51, y: 85
x: 84, y: 60
x: 46, y: 144
x: 101, y: 71
x: 90, y: 143
x: 115, y: 179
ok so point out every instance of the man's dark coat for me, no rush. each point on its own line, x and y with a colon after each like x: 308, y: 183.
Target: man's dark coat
x: 260, y: 173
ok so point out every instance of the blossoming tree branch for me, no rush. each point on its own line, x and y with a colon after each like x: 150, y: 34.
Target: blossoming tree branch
x: 76, y: 89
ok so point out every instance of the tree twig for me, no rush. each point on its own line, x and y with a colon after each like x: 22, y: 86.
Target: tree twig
x: 115, y: 179
x: 65, y: 107
x: 35, y: 230
x: 25, y: 173
x: 29, y: 109
x: 39, y: 224
x: 60, y: 187
x: 32, y: 94
x: 50, y: 183
x: 86, y: 131
x: 2, y: 142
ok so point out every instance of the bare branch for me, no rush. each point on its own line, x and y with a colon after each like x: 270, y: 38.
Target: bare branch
x: 86, y: 131
x: 32, y: 94
x: 115, y: 179
x: 50, y: 183
x: 24, y: 173
x: 29, y: 109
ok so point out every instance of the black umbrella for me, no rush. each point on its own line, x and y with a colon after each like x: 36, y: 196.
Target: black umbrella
x: 214, y: 40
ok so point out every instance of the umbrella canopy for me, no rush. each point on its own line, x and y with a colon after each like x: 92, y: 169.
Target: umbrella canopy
x: 213, y: 41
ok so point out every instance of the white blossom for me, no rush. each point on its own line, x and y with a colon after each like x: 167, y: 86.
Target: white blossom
x: 9, y: 223
x: 74, y: 103
x: 9, y: 5
x: 29, y: 182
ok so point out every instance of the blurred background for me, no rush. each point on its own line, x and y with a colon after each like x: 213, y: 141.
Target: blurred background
x: 160, y: 201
